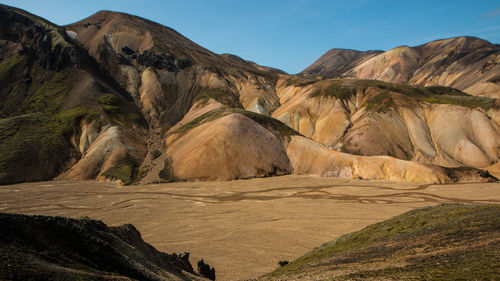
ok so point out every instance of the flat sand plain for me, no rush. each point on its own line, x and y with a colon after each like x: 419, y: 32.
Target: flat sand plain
x: 242, y: 227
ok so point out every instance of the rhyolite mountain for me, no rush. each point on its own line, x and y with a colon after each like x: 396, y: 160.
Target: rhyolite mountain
x: 466, y: 63
x: 121, y: 98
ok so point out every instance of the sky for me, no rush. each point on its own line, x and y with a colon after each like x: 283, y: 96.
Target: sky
x: 291, y: 35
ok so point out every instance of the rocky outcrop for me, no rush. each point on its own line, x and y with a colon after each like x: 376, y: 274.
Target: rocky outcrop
x: 57, y: 248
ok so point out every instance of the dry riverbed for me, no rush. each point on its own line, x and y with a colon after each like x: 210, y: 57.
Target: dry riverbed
x: 243, y: 227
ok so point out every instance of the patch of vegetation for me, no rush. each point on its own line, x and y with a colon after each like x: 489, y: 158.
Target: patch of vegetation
x: 268, y: 122
x: 336, y: 88
x: 443, y: 90
x: 465, y: 101
x: 206, y: 117
x: 431, y: 94
x: 110, y: 103
x: 141, y: 174
x: 217, y: 94
x: 300, y: 81
x: 124, y: 171
x: 36, y: 146
x: 47, y: 92
x: 10, y: 62
x: 167, y: 173
x: 381, y: 103
x: 454, y: 228
x: 463, y: 265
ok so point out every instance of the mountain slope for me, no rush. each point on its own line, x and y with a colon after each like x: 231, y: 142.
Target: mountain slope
x: 117, y: 97
x: 169, y: 76
x: 445, y: 242
x: 336, y: 62
x: 57, y: 248
x: 467, y: 63
x: 55, y: 100
x: 368, y: 117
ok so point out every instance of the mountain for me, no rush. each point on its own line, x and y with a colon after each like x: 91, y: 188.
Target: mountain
x: 336, y: 62
x: 370, y: 117
x: 444, y: 242
x: 116, y: 97
x: 57, y: 248
x: 466, y: 63
x: 56, y: 101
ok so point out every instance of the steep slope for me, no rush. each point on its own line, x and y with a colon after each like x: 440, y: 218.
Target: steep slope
x: 57, y: 248
x: 466, y: 63
x: 336, y: 62
x: 368, y: 117
x: 56, y: 101
x: 445, y: 242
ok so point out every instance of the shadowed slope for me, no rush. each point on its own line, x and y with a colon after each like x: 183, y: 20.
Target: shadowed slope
x: 57, y: 248
x: 53, y: 95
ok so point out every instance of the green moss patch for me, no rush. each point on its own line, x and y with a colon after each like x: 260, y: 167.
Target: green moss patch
x: 381, y: 103
x: 47, y: 92
x: 336, y: 88
x: 220, y: 95
x: 124, y: 171
x: 109, y: 102
x: 37, y: 146
x: 268, y: 122
x: 344, y: 89
x: 10, y: 62
x: 167, y: 173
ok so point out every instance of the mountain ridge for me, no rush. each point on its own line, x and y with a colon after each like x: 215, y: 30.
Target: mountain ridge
x: 446, y: 62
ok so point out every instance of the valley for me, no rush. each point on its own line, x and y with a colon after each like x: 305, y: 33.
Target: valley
x: 121, y: 119
x: 243, y: 227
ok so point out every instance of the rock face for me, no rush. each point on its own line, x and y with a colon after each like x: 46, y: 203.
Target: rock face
x: 57, y: 248
x: 444, y: 242
x: 116, y: 97
x: 467, y: 63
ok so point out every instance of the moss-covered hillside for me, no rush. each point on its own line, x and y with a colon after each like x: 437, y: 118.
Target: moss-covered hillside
x: 444, y: 242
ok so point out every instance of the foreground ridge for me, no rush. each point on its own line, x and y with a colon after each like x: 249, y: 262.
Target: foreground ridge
x: 444, y: 242
x: 59, y: 248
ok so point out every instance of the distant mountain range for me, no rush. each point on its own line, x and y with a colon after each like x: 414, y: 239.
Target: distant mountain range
x: 469, y: 64
x: 121, y: 98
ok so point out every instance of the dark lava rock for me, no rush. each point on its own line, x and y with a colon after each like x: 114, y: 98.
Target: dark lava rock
x: 205, y: 270
x: 59, y: 248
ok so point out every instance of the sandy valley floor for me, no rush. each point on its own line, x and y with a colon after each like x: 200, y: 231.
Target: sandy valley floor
x: 245, y: 227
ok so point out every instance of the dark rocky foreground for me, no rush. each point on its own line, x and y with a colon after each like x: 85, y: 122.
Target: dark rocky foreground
x: 60, y: 248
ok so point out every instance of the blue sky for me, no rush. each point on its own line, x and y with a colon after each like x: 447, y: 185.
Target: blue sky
x: 291, y: 35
